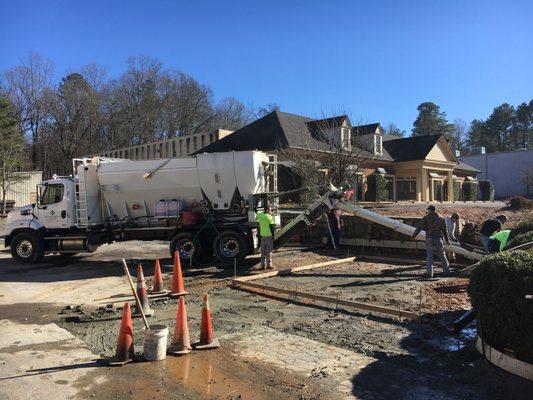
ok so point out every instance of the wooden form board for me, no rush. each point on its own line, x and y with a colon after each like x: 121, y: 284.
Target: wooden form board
x: 259, y: 289
x: 295, y: 269
x: 245, y: 283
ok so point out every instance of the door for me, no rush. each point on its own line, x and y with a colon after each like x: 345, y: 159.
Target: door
x: 52, y: 211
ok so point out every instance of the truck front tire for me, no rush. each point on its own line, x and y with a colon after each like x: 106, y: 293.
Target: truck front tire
x: 27, y: 248
x: 229, y: 245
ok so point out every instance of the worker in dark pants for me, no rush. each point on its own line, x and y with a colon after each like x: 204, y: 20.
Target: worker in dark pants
x: 335, y: 226
x: 435, y: 227
x: 489, y: 227
x: 266, y: 230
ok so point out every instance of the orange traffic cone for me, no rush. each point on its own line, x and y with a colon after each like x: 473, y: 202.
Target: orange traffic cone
x: 208, y: 339
x: 124, y: 352
x: 178, y: 289
x: 142, y: 294
x: 158, y: 286
x: 181, y: 344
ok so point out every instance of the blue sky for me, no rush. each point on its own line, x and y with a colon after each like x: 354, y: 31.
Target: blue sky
x: 378, y: 60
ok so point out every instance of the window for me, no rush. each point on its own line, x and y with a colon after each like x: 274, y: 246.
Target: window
x: 406, y: 188
x: 378, y: 144
x: 345, y: 138
x: 53, y: 194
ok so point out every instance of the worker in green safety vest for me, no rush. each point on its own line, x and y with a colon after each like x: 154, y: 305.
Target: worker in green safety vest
x: 266, y: 230
x: 498, y: 241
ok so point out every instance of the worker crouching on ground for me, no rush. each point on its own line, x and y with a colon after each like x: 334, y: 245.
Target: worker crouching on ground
x: 266, y: 230
x: 498, y: 241
x: 335, y: 225
x: 435, y: 227
x: 489, y: 228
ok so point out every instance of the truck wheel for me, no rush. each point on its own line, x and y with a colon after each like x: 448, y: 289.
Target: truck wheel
x: 229, y: 245
x: 27, y: 248
x: 187, y: 247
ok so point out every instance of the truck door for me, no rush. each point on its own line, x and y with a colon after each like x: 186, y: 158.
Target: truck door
x: 53, y: 207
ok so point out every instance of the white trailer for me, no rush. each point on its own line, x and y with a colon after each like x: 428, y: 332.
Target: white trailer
x: 204, y: 205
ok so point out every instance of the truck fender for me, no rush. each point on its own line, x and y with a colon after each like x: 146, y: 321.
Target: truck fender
x: 39, y: 230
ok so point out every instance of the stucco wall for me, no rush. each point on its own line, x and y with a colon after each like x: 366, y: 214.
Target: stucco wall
x: 504, y: 170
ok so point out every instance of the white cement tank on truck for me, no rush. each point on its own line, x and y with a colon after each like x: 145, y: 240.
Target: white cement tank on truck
x: 132, y: 189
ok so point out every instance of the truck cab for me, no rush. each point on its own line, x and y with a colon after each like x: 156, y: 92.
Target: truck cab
x: 56, y: 203
x: 28, y: 226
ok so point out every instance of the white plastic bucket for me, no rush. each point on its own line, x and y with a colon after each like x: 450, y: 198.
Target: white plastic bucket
x: 155, y: 342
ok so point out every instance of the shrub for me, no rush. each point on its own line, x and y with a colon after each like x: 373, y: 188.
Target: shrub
x: 518, y: 202
x: 523, y: 227
x: 487, y: 190
x: 520, y: 239
x: 497, y: 291
x: 469, y: 191
x: 456, y: 191
x: 376, y: 188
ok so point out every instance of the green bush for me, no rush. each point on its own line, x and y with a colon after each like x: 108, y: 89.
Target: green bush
x: 520, y: 239
x: 523, y: 227
x: 469, y: 191
x: 497, y: 291
x: 376, y: 188
x: 518, y: 202
x: 486, y: 189
x: 456, y: 191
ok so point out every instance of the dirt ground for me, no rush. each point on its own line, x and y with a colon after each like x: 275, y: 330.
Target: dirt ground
x: 271, y: 348
x: 476, y: 213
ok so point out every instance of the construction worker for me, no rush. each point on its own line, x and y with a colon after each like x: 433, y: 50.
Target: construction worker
x: 489, y: 228
x: 498, y: 241
x: 266, y: 230
x: 435, y: 227
x: 453, y: 230
x: 335, y: 226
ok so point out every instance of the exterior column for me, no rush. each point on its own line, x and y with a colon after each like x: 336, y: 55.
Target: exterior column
x: 450, y: 186
x: 424, y: 193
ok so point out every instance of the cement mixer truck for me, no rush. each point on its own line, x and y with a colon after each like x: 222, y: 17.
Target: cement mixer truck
x: 204, y: 205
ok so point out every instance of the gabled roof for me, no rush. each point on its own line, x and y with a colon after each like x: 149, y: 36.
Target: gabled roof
x: 365, y: 129
x: 333, y: 122
x: 274, y: 131
x: 462, y: 166
x: 410, y: 148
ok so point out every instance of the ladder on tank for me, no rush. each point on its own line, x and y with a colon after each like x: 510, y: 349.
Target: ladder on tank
x: 82, y: 219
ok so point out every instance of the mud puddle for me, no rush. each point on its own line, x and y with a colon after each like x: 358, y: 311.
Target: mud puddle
x: 214, y: 374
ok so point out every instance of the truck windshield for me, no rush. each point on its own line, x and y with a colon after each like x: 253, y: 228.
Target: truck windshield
x: 52, y: 194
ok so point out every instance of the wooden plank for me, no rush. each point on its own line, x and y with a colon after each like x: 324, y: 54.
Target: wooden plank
x: 404, y: 260
x: 295, y: 269
x: 460, y: 323
x: 330, y: 300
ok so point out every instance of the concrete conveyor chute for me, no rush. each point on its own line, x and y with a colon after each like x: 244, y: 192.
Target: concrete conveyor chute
x: 399, y: 226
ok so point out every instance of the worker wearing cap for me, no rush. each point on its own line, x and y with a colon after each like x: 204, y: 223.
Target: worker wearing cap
x: 435, y: 227
x: 266, y: 230
x: 489, y: 228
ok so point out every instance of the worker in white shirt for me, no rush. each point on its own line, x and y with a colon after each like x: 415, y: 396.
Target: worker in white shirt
x: 453, y: 229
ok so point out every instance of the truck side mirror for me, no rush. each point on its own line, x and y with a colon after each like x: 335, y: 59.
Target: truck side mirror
x: 39, y: 194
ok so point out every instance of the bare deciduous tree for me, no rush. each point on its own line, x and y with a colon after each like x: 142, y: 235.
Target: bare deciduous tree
x: 526, y: 178
x: 13, y: 150
x: 28, y: 87
x: 331, y: 152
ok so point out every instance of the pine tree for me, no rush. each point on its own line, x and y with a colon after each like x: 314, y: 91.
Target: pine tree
x: 430, y: 121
